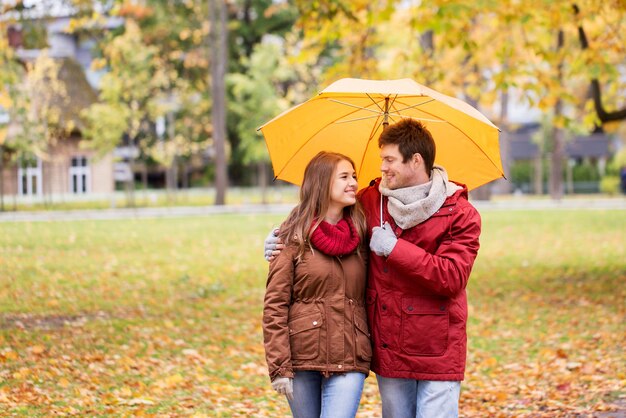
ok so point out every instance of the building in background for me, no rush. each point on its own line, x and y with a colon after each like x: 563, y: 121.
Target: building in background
x: 587, y: 158
x: 67, y: 168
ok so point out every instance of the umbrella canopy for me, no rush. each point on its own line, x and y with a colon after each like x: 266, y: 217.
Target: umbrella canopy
x: 349, y: 115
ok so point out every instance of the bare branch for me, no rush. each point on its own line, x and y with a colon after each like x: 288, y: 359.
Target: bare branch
x: 596, y: 92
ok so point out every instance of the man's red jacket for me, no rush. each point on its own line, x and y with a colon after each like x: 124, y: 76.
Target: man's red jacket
x: 416, y: 299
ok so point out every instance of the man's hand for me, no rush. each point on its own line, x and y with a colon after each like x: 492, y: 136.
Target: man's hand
x: 383, y: 240
x: 284, y: 385
x: 273, y: 245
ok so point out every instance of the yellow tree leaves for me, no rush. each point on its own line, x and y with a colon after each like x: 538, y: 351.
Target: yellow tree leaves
x: 480, y: 47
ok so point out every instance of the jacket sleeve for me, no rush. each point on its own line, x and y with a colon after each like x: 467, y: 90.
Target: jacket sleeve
x: 276, y: 314
x: 447, y: 271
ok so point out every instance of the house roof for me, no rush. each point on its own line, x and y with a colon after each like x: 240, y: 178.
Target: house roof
x: 80, y: 94
x: 522, y: 147
x: 594, y: 145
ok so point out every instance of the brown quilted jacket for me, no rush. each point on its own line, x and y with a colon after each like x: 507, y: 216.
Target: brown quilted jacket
x: 314, y: 315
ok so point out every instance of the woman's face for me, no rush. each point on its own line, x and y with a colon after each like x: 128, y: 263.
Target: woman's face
x: 343, y: 186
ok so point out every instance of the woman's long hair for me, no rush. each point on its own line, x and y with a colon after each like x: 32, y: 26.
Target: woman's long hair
x: 315, y: 200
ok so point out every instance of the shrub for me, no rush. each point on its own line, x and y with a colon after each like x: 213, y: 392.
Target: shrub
x: 609, y: 185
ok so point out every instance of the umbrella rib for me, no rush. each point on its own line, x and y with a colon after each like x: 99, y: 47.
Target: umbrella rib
x: 357, y: 119
x: 355, y: 106
x: 318, y: 131
x: 416, y: 118
x: 375, y: 102
x: 470, y: 138
x: 369, y: 141
x: 414, y: 106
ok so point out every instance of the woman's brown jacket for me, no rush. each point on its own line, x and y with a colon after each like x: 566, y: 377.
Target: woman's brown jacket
x: 314, y: 315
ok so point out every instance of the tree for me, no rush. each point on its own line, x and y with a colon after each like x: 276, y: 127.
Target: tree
x: 178, y: 30
x: 258, y: 96
x: 36, y: 118
x: 252, y: 22
x: 128, y: 98
x: 11, y: 74
x: 603, y: 115
x: 219, y: 54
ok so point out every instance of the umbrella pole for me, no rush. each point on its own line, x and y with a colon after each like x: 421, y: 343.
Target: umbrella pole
x: 385, y: 124
x: 386, y: 114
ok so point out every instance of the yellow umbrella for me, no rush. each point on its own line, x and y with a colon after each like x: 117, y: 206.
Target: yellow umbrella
x: 349, y: 115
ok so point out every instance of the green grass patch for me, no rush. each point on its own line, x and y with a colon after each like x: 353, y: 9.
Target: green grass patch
x: 163, y: 317
x: 284, y: 193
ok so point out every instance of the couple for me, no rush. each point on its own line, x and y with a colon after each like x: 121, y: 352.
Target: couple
x: 324, y: 288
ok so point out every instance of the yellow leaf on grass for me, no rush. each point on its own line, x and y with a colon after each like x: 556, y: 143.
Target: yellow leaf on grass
x: 126, y: 392
x: 174, y: 380
x: 21, y: 373
x: 490, y: 362
x: 170, y: 381
x: 37, y: 349
x: 8, y: 355
x: 501, y: 396
x: 63, y: 382
x: 140, y: 401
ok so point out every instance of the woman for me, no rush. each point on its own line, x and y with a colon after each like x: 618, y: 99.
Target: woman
x: 317, y: 343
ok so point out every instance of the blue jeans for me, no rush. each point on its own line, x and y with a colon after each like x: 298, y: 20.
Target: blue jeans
x: 316, y: 396
x: 403, y: 398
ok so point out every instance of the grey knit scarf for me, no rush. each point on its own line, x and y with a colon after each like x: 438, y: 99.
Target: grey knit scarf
x: 410, y: 206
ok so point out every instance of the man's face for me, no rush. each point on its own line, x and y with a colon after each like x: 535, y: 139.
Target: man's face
x: 397, y: 174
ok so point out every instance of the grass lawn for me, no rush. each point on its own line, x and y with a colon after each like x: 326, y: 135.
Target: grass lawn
x: 283, y: 193
x: 163, y: 317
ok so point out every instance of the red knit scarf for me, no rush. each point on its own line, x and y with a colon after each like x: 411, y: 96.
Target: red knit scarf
x: 339, y: 239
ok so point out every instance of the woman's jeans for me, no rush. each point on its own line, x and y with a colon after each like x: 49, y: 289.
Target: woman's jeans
x: 316, y: 396
x: 404, y: 398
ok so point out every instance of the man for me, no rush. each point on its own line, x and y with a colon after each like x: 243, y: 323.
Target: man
x: 420, y: 264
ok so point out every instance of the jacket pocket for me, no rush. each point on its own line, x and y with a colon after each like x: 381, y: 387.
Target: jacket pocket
x: 363, y: 342
x: 304, y: 336
x: 425, y: 325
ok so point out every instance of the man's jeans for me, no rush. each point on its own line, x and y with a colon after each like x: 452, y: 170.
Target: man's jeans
x: 317, y: 396
x: 403, y: 398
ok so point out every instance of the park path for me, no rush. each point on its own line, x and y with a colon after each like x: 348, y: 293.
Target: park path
x: 184, y: 211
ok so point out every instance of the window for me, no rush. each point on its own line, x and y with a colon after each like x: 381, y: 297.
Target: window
x: 80, y: 175
x: 4, y: 116
x: 29, y: 178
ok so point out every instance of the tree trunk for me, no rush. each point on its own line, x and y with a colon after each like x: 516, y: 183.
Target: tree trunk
x: 185, y: 179
x: 556, y: 168
x: 483, y: 192
x: 47, y: 168
x: 1, y: 178
x: 427, y: 43
x: 569, y: 175
x: 558, y: 138
x: 538, y: 177
x: 144, y: 177
x: 130, y: 183
x: 171, y: 173
x: 218, y: 46
x: 505, y: 147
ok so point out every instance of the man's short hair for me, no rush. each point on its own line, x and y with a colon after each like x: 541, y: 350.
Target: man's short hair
x: 412, y: 137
